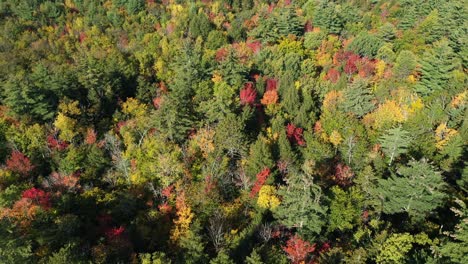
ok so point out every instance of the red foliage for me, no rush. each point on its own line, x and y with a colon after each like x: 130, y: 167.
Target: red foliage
x: 248, y: 94
x: 255, y: 46
x: 19, y: 163
x: 261, y: 179
x: 271, y: 84
x: 343, y: 174
x: 165, y: 208
x: 366, y: 67
x: 325, y: 247
x: 57, y: 144
x: 91, y: 136
x: 298, y: 249
x: 38, y: 196
x: 308, y: 26
x: 351, y: 64
x: 294, y: 134
x: 82, y: 37
x: 333, y: 75
x: 167, y: 192
x: 221, y: 54
x: 157, y: 102
x: 114, y: 233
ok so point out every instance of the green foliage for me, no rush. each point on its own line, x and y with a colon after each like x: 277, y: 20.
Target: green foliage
x: 345, y: 209
x: 358, y: 98
x: 417, y: 191
x: 366, y: 44
x: 437, y: 65
x: 301, y: 206
x: 395, y: 142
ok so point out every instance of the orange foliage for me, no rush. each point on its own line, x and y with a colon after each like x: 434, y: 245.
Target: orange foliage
x: 270, y: 97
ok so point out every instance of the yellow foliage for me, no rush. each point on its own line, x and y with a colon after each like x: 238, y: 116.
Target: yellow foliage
x: 232, y: 209
x: 217, y: 78
x: 204, y: 140
x: 386, y: 114
x: 411, y: 78
x: 459, y: 100
x: 335, y: 138
x: 267, y: 198
x: 183, y: 220
x: 71, y: 108
x: 332, y: 99
x: 134, y: 108
x: 67, y: 127
x: 380, y: 68
x: 443, y: 135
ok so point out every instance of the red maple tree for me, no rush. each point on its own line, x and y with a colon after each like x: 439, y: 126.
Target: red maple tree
x: 248, y: 94
x: 294, y: 134
x: 298, y: 249
x: 261, y: 179
x: 19, y: 163
x: 38, y: 196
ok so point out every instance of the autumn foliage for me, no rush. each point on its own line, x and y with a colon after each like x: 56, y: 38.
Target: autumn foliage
x: 261, y: 178
x: 19, y: 163
x: 298, y: 249
x: 248, y: 95
x: 294, y: 134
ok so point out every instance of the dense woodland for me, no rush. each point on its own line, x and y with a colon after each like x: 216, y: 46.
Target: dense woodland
x: 233, y: 131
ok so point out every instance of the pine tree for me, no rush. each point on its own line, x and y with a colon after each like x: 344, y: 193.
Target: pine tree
x: 301, y: 206
x: 418, y: 190
x: 358, y: 98
x: 437, y: 65
x: 395, y: 142
x: 405, y: 64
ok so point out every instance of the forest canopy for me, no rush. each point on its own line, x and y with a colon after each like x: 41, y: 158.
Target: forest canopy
x: 233, y: 131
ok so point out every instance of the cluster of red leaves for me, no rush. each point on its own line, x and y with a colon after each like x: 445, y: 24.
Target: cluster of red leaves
x: 298, y: 249
x: 19, y: 163
x: 221, y: 54
x: 353, y: 63
x: 167, y: 192
x: 55, y: 143
x: 261, y: 179
x: 38, y: 196
x: 294, y: 134
x: 91, y: 136
x: 157, y: 102
x: 343, y: 174
x: 114, y: 232
x: 333, y: 75
x: 255, y: 46
x: 271, y: 84
x: 248, y: 94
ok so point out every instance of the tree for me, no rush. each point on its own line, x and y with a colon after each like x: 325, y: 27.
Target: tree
x: 418, y: 190
x: 395, y: 142
x: 301, y: 205
x: 327, y: 16
x: 199, y: 25
x: 365, y: 44
x: 358, y: 98
x: 405, y: 64
x: 437, y: 65
x: 345, y: 209
x: 298, y: 249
